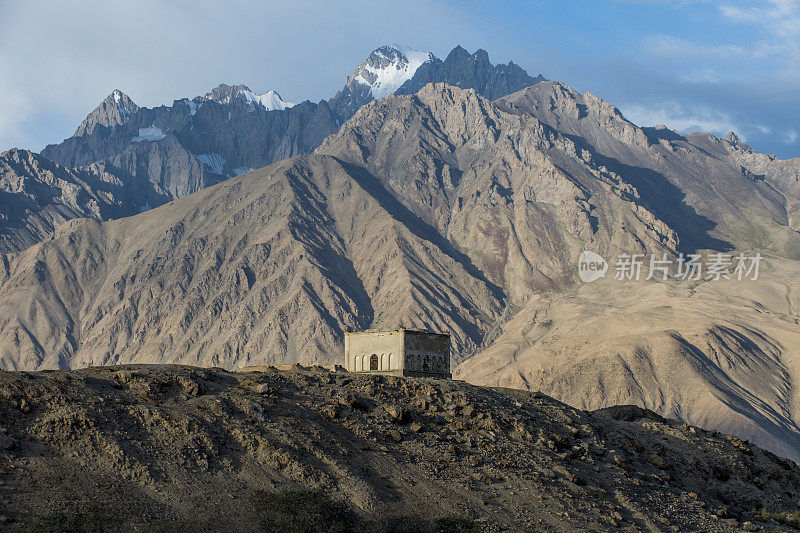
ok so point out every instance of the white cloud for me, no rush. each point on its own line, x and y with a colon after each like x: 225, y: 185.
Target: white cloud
x: 682, y: 118
x: 742, y: 75
x: 791, y: 136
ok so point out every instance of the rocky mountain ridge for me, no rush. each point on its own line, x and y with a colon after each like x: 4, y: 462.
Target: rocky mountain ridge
x: 225, y: 94
x: 389, y: 70
x: 170, y: 151
x: 471, y: 71
x: 448, y: 214
x: 36, y: 196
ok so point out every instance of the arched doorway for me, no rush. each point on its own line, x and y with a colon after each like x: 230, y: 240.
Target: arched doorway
x: 373, y: 362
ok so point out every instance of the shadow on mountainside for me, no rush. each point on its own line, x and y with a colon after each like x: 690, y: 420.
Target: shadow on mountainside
x: 424, y: 231
x: 665, y: 200
x: 334, y: 265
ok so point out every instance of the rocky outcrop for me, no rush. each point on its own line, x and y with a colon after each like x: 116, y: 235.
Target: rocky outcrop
x: 694, y: 184
x: 782, y: 174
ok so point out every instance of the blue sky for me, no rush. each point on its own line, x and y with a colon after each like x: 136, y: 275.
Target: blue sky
x: 709, y: 65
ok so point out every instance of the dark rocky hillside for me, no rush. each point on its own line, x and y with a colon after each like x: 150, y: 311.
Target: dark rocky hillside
x: 167, y: 448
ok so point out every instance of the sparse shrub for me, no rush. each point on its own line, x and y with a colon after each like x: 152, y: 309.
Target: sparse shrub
x: 93, y: 519
x: 453, y: 524
x: 302, y: 511
x: 415, y: 524
x: 791, y: 518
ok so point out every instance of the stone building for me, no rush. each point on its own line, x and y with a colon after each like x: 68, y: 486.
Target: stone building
x: 399, y: 352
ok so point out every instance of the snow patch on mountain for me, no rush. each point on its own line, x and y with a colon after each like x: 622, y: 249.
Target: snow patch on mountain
x: 271, y: 100
x: 389, y: 67
x: 214, y: 162
x: 153, y: 133
x: 193, y: 106
x: 238, y: 171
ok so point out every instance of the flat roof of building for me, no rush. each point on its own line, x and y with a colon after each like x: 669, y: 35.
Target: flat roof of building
x: 407, y: 330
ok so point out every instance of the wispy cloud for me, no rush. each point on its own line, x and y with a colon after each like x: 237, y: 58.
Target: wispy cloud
x: 742, y: 75
x: 682, y: 118
x: 702, y: 75
x: 774, y: 27
x: 777, y: 22
x: 669, y: 47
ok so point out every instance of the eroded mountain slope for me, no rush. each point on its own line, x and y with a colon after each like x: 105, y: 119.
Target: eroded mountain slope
x: 511, y: 193
x: 524, y: 185
x: 719, y: 354
x: 36, y: 195
x: 711, y: 191
x: 268, y: 267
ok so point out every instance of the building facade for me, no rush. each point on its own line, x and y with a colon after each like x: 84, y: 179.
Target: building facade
x: 399, y: 352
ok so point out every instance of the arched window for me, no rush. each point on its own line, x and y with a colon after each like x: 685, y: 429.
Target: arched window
x: 373, y: 362
x: 426, y: 365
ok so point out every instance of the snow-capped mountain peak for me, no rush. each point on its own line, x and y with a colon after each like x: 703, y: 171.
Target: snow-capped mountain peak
x: 388, y: 67
x: 116, y: 109
x: 226, y: 94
